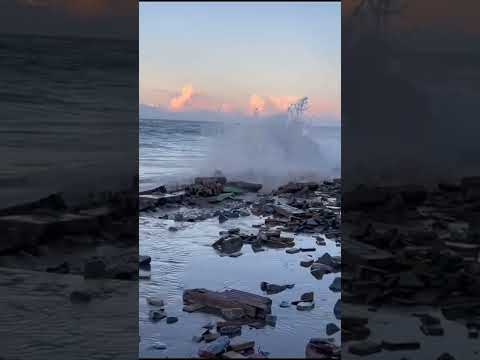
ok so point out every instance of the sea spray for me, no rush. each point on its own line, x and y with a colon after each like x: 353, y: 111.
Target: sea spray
x: 274, y: 150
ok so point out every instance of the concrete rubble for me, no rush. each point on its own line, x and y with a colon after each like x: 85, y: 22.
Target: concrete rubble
x: 297, y: 208
x: 410, y: 246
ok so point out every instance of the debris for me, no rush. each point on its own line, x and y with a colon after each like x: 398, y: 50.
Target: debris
x: 171, y: 319
x: 305, y: 306
x: 274, y: 288
x: 254, y: 306
x: 214, y: 348
x: 155, y: 301
x: 308, y: 296
x: 332, y: 329
x: 239, y: 344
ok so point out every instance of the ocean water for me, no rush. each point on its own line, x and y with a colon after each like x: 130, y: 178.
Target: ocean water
x: 68, y: 109
x: 273, y: 151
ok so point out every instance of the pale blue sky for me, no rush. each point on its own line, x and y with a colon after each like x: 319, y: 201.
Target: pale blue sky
x: 230, y: 51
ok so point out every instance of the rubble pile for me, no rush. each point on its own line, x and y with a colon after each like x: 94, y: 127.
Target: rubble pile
x: 298, y: 207
x: 409, y: 246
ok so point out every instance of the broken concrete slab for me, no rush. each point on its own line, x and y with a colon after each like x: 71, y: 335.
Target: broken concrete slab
x: 254, y: 306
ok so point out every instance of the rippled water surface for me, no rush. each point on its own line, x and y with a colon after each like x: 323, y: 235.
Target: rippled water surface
x: 185, y: 259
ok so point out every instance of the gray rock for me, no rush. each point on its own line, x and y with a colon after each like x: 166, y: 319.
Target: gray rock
x: 159, y: 346
x: 336, y: 285
x: 172, y: 228
x: 305, y: 306
x: 156, y: 315
x: 155, y: 301
x: 292, y: 251
x: 308, y: 296
x: 222, y: 218
x: 171, y: 319
x: 332, y: 328
x: 284, y: 304
x: 214, y: 348
x: 144, y: 260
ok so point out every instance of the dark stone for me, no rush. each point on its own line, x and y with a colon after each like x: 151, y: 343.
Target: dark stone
x: 332, y: 329
x: 171, y: 319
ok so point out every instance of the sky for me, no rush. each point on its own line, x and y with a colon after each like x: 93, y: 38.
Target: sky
x: 239, y: 58
x: 117, y: 19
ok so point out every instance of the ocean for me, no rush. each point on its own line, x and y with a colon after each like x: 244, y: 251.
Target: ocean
x: 68, y: 109
x: 273, y: 151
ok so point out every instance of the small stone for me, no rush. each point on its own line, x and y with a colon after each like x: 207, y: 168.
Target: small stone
x: 336, y: 285
x: 307, y: 249
x: 156, y: 315
x: 284, y: 304
x: 332, y: 329
x: 222, y: 218
x: 305, y: 306
x: 171, y: 319
x: 306, y: 262
x: 159, y: 346
x: 292, y: 251
x: 308, y: 296
x: 214, y: 348
x: 155, y: 301
x: 365, y: 348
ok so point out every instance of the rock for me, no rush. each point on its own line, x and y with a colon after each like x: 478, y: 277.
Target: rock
x: 319, y: 348
x: 332, y: 328
x: 284, y: 304
x: 144, y: 260
x: 318, y: 270
x: 155, y: 301
x: 211, y: 180
x: 239, y: 344
x: 271, y: 320
x: 400, y: 346
x: 209, y: 336
x: 78, y: 296
x: 274, y: 288
x: 306, y: 262
x: 229, y: 245
x: 233, y: 313
x: 236, y: 254
x: 178, y: 217
x: 336, y: 285
x: 337, y: 309
x: 171, y: 319
x: 308, y: 296
x: 307, y: 249
x: 222, y: 218
x: 159, y: 346
x: 94, y: 268
x: 230, y: 330
x: 197, y: 338
x: 292, y: 251
x: 156, y: 315
x: 365, y: 348
x: 305, y: 306
x: 234, y: 231
x: 172, y: 228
